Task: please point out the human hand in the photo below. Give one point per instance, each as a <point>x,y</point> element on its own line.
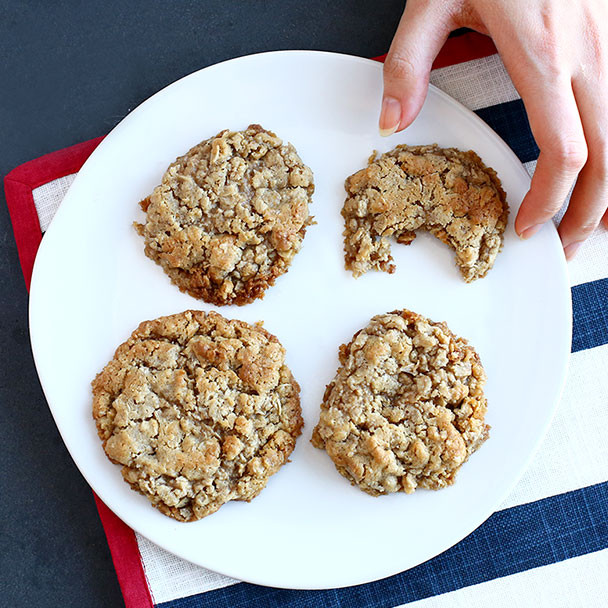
<point>556,52</point>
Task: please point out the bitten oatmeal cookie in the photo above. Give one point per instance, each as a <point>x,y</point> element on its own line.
<point>198,410</point>
<point>446,191</point>
<point>406,408</point>
<point>229,216</point>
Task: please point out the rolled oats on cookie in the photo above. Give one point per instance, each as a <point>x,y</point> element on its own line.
<point>198,410</point>
<point>448,192</point>
<point>229,216</point>
<point>406,407</point>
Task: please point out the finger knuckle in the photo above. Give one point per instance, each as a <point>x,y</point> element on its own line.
<point>554,70</point>
<point>595,39</point>
<point>571,154</point>
<point>547,44</point>
<point>399,66</point>
<point>585,228</point>
<point>541,208</point>
<point>547,47</point>
<point>547,210</point>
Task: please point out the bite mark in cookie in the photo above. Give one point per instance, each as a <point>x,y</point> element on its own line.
<point>199,410</point>
<point>229,216</point>
<point>406,407</point>
<point>448,192</point>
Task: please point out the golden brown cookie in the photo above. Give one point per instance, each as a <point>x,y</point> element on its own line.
<point>229,216</point>
<point>198,410</point>
<point>448,192</point>
<point>406,407</point>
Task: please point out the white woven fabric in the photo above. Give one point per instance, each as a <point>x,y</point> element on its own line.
<point>573,455</point>
<point>468,82</point>
<point>170,577</point>
<point>580,582</point>
<point>48,197</point>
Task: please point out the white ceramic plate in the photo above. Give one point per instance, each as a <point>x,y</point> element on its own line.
<point>309,528</point>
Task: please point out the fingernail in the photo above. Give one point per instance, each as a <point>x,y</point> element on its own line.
<point>390,116</point>
<point>528,232</point>
<point>571,249</point>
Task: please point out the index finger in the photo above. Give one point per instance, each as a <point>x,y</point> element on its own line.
<point>420,35</point>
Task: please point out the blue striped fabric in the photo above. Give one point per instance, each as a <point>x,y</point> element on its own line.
<point>510,541</point>
<point>510,121</point>
<point>590,315</point>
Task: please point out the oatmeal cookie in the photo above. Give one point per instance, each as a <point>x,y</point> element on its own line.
<point>229,216</point>
<point>446,191</point>
<point>406,407</point>
<point>198,410</point>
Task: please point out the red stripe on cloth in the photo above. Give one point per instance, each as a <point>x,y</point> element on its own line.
<point>54,165</point>
<point>126,558</point>
<point>18,186</point>
<point>460,49</point>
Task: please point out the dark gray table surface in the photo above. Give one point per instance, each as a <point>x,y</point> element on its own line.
<point>70,71</point>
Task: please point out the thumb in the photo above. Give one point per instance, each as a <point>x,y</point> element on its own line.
<point>423,29</point>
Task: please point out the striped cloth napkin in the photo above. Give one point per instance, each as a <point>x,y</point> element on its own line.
<point>548,543</point>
